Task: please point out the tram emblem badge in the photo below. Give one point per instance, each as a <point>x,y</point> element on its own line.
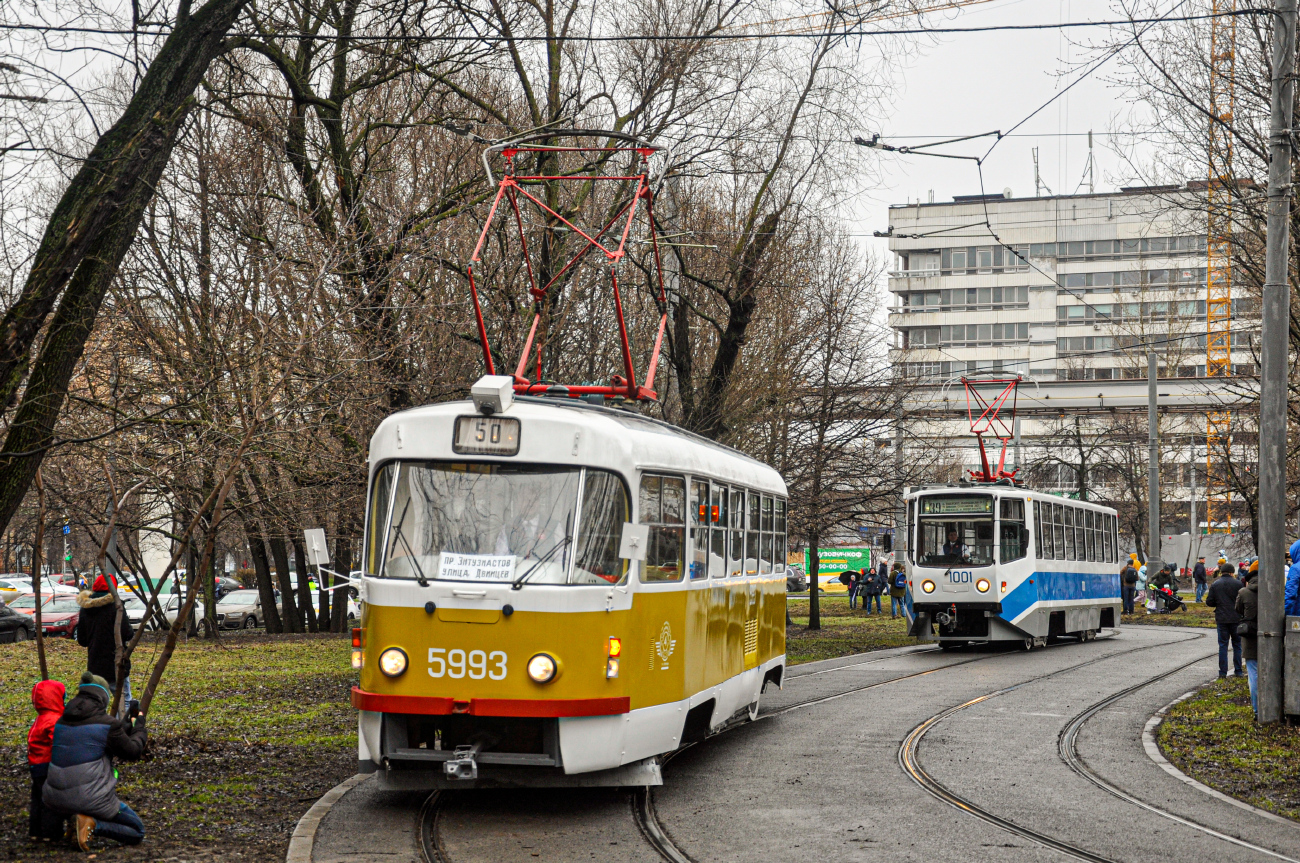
<point>663,646</point>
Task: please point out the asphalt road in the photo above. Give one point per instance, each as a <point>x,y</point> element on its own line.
<point>819,776</point>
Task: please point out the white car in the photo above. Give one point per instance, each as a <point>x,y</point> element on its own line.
<point>12,586</point>
<point>171,604</point>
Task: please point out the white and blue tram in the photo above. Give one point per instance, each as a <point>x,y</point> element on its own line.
<point>995,562</point>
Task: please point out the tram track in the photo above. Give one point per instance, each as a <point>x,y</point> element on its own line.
<point>909,760</point>
<point>1068,749</point>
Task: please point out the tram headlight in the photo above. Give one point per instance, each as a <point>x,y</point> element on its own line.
<point>542,668</point>
<point>983,585</point>
<point>393,662</point>
<point>927,586</point>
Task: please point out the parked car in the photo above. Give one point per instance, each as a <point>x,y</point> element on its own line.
<point>11,587</point>
<point>240,609</point>
<point>16,627</point>
<point>133,606</point>
<point>60,616</point>
<point>171,604</point>
<point>795,580</point>
<point>48,585</point>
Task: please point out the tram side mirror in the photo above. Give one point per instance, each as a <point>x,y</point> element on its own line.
<point>492,394</point>
<point>635,539</point>
<point>887,543</point>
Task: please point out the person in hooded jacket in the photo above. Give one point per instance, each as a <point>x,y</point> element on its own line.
<point>1292,595</point>
<point>47,698</point>
<point>81,781</point>
<point>1247,607</point>
<point>1223,599</point>
<point>95,633</point>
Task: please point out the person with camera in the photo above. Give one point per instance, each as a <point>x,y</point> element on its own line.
<point>81,781</point>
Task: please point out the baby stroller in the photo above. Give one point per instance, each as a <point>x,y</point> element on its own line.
<point>1167,600</point>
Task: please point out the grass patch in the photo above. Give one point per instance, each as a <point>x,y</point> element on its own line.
<point>843,632</point>
<point>1214,738</point>
<point>1197,614</point>
<point>244,735</point>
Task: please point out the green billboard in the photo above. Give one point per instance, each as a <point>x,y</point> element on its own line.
<point>833,561</point>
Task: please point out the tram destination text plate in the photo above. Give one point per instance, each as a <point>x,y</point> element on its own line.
<point>486,435</point>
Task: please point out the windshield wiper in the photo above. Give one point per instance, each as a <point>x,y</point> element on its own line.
<point>397,532</point>
<point>519,582</point>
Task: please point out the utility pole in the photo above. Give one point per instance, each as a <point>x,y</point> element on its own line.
<point>1274,369</point>
<point>1153,470</point>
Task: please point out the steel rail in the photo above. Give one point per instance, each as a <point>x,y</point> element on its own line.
<point>1068,748</point>
<point>909,761</point>
<point>431,850</point>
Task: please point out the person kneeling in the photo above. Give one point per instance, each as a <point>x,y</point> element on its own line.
<point>81,780</point>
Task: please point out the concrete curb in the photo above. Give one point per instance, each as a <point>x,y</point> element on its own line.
<point>1154,753</point>
<point>304,835</point>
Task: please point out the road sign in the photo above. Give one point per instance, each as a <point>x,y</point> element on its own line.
<point>67,529</point>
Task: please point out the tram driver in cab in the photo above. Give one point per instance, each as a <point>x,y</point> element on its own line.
<point>954,549</point>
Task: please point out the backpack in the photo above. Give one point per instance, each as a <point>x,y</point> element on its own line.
<point>1130,575</point>
<point>900,579</point>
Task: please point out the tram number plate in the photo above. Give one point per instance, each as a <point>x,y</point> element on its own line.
<point>479,435</point>
<point>474,664</point>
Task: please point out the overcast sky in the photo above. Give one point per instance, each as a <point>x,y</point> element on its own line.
<point>968,83</point>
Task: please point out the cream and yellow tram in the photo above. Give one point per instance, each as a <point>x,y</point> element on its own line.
<point>557,593</point>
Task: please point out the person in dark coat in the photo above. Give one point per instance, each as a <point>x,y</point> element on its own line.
<point>872,587</point>
<point>1222,597</point>
<point>47,698</point>
<point>1198,576</point>
<point>1129,578</point>
<point>855,584</point>
<point>1247,608</point>
<point>82,782</point>
<point>95,633</point>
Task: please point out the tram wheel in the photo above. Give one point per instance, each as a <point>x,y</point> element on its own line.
<point>1029,644</point>
<point>951,645</point>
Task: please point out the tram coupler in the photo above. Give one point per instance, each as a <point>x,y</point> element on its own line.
<point>464,762</point>
<point>947,620</point>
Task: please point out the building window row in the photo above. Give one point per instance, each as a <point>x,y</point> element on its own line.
<point>966,299</point>
<point>984,259</point>
<point>1108,250</point>
<point>965,335</point>
<point>1119,313</point>
<point>1134,278</point>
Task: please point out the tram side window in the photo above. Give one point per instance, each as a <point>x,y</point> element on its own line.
<point>718,532</point>
<point>380,496</point>
<point>911,531</point>
<point>736,545</point>
<point>1043,525</point>
<point>699,529</point>
<point>1058,531</point>
<point>1013,537</point>
<point>1092,535</point>
<point>753,519</point>
<point>1080,535</point>
<point>1114,538</point>
<point>605,509</point>
<point>766,565</point>
<point>661,500</point>
<point>778,556</point>
<point>1109,538</point>
<point>1070,534</point>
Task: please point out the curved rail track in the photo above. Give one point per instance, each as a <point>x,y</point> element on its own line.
<point>909,761</point>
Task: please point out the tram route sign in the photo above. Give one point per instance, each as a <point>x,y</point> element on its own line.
<point>476,567</point>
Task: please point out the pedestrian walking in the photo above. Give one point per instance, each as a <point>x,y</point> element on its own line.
<point>47,697</point>
<point>1222,597</point>
<point>1291,602</point>
<point>1128,576</point>
<point>1247,608</point>
<point>82,782</point>
<point>1198,576</point>
<point>855,584</point>
<point>95,633</point>
<point>897,591</point>
<point>1142,585</point>
<point>874,586</point>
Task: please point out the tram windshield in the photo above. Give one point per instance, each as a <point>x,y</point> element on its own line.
<point>955,531</point>
<point>489,522</point>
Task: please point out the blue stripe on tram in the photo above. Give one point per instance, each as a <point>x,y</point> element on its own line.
<point>1059,586</point>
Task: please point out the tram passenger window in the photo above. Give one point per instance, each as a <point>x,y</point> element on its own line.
<point>1058,531</point>
<point>1013,537</point>
<point>605,508</point>
<point>736,545</point>
<point>767,513</point>
<point>1092,535</point>
<point>766,565</point>
<point>753,519</point>
<point>1043,528</point>
<point>718,523</point>
<point>910,541</point>
<point>661,499</point>
<point>699,529</point>
<point>1080,537</point>
<point>381,494</point>
<point>778,557</point>
<point>1106,538</point>
<point>1069,533</point>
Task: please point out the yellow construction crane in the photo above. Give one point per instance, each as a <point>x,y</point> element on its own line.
<point>1218,272</point>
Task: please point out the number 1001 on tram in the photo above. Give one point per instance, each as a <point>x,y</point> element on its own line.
<point>558,593</point>
<point>993,562</point>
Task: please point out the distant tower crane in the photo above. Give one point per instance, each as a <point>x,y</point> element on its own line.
<point>1218,273</point>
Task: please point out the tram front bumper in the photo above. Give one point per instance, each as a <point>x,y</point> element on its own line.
<point>968,621</point>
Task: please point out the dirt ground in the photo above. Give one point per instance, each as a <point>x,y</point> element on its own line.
<point>245,735</point>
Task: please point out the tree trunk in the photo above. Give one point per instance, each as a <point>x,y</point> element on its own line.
<point>288,608</point>
<point>86,238</point>
<point>343,565</point>
<point>265,587</point>
<point>304,577</point>
<point>209,577</point>
<point>814,563</point>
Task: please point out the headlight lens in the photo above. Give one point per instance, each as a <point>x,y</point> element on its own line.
<point>927,586</point>
<point>541,668</point>
<point>982,585</point>
<point>393,662</point>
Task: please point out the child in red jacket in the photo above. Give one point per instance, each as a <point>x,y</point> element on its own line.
<point>47,698</point>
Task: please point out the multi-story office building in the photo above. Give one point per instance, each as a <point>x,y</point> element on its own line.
<point>1073,291</point>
